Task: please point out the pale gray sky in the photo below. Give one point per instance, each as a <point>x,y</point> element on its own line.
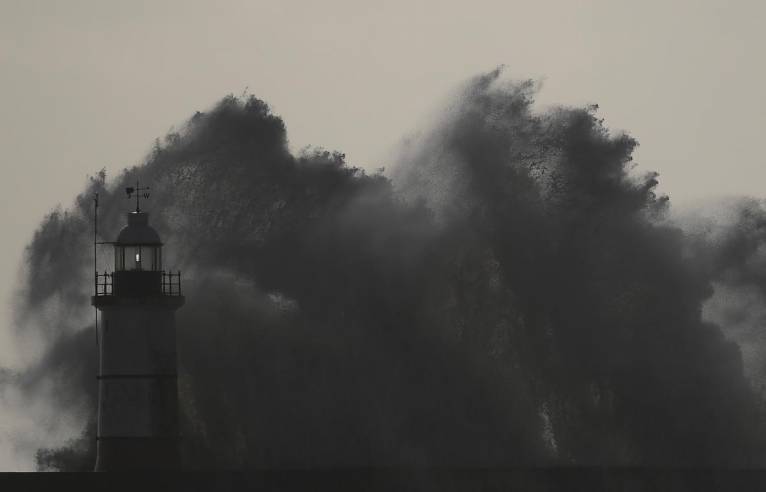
<point>88,84</point>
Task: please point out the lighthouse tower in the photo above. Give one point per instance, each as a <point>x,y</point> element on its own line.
<point>137,381</point>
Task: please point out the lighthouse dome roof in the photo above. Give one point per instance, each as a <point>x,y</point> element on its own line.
<point>138,231</point>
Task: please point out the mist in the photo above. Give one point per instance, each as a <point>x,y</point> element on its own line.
<point>510,292</point>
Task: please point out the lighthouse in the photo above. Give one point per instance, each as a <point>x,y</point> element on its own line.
<point>137,378</point>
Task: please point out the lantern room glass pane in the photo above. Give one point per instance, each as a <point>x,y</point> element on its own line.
<point>119,258</point>
<point>133,258</point>
<point>156,258</point>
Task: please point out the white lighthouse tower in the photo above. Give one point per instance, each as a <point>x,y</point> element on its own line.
<point>137,380</point>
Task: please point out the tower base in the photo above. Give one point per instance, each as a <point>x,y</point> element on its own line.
<point>137,453</point>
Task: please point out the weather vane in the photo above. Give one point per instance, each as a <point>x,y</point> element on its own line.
<point>138,192</point>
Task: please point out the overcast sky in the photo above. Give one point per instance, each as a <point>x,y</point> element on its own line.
<point>91,84</point>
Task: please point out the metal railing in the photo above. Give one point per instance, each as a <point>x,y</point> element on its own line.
<point>104,283</point>
<point>170,284</point>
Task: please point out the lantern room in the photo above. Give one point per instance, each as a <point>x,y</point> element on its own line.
<point>138,247</point>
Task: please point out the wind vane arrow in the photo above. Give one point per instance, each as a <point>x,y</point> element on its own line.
<point>137,191</point>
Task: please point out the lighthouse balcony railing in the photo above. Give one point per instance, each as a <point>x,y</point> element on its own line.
<point>170,284</point>
<point>104,284</point>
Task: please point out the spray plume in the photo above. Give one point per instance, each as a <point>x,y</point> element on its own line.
<point>512,295</point>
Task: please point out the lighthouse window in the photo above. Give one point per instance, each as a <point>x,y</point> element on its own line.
<point>137,257</point>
